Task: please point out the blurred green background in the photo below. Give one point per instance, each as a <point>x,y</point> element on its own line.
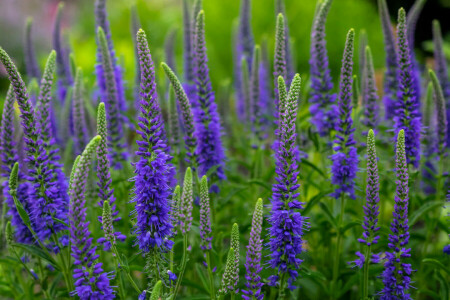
<point>158,17</point>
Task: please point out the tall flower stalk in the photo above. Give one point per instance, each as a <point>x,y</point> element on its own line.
<point>287,223</point>
<point>46,195</point>
<point>91,282</point>
<point>390,75</point>
<point>253,258</point>
<point>65,79</point>
<point>154,173</point>
<point>103,74</point>
<point>441,70</point>
<point>370,96</point>
<point>371,212</point>
<point>206,231</point>
<point>345,159</point>
<point>407,111</point>
<point>30,54</point>
<point>208,128</point>
<point>280,8</point>
<point>279,61</point>
<point>9,156</point>
<point>79,120</point>
<point>111,100</point>
<point>397,273</point>
<point>105,190</point>
<point>187,117</point>
<point>323,108</point>
<point>244,48</point>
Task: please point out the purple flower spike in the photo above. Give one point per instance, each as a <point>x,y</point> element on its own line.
<point>91,282</point>
<point>279,61</point>
<point>30,55</point>
<point>253,258</point>
<point>323,108</point>
<point>370,96</point>
<point>397,274</point>
<point>243,50</point>
<point>345,158</point>
<point>390,76</point>
<point>280,8</point>
<point>154,172</point>
<point>407,111</point>
<point>111,100</point>
<point>205,216</point>
<point>8,157</point>
<point>62,60</point>
<point>79,120</point>
<point>187,117</point>
<point>101,20</point>
<point>441,115</point>
<point>211,152</point>
<point>287,223</point>
<point>371,209</point>
<point>441,70</point>
<point>48,192</point>
<point>105,191</point>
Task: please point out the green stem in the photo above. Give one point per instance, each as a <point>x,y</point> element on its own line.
<point>183,266</point>
<point>232,295</point>
<point>366,274</point>
<point>211,278</point>
<point>338,250</point>
<point>281,291</point>
<point>126,271</point>
<point>171,268</point>
<point>434,217</point>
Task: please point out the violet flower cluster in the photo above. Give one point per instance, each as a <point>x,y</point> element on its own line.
<point>208,128</point>
<point>287,223</point>
<point>154,172</point>
<point>253,258</point>
<point>205,216</point>
<point>441,70</point>
<point>47,194</point>
<point>244,48</point>
<point>105,190</point>
<point>345,158</point>
<point>407,110</point>
<point>110,96</point>
<point>323,108</point>
<point>8,157</point>
<point>91,282</point>
<point>397,273</point>
<point>369,94</point>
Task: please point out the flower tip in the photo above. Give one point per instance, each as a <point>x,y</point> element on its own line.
<point>29,21</point>
<point>60,6</point>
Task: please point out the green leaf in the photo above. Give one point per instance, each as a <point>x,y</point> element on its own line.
<point>22,212</point>
<point>60,221</point>
<point>201,274</point>
<point>444,289</point>
<point>260,183</point>
<point>350,225</point>
<point>313,201</point>
<point>38,252</point>
<point>313,166</point>
<point>436,263</point>
<point>422,210</point>
<point>328,214</point>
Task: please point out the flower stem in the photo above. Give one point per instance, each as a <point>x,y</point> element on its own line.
<point>211,278</point>
<point>183,266</point>
<point>126,271</point>
<point>338,250</point>
<point>366,274</point>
